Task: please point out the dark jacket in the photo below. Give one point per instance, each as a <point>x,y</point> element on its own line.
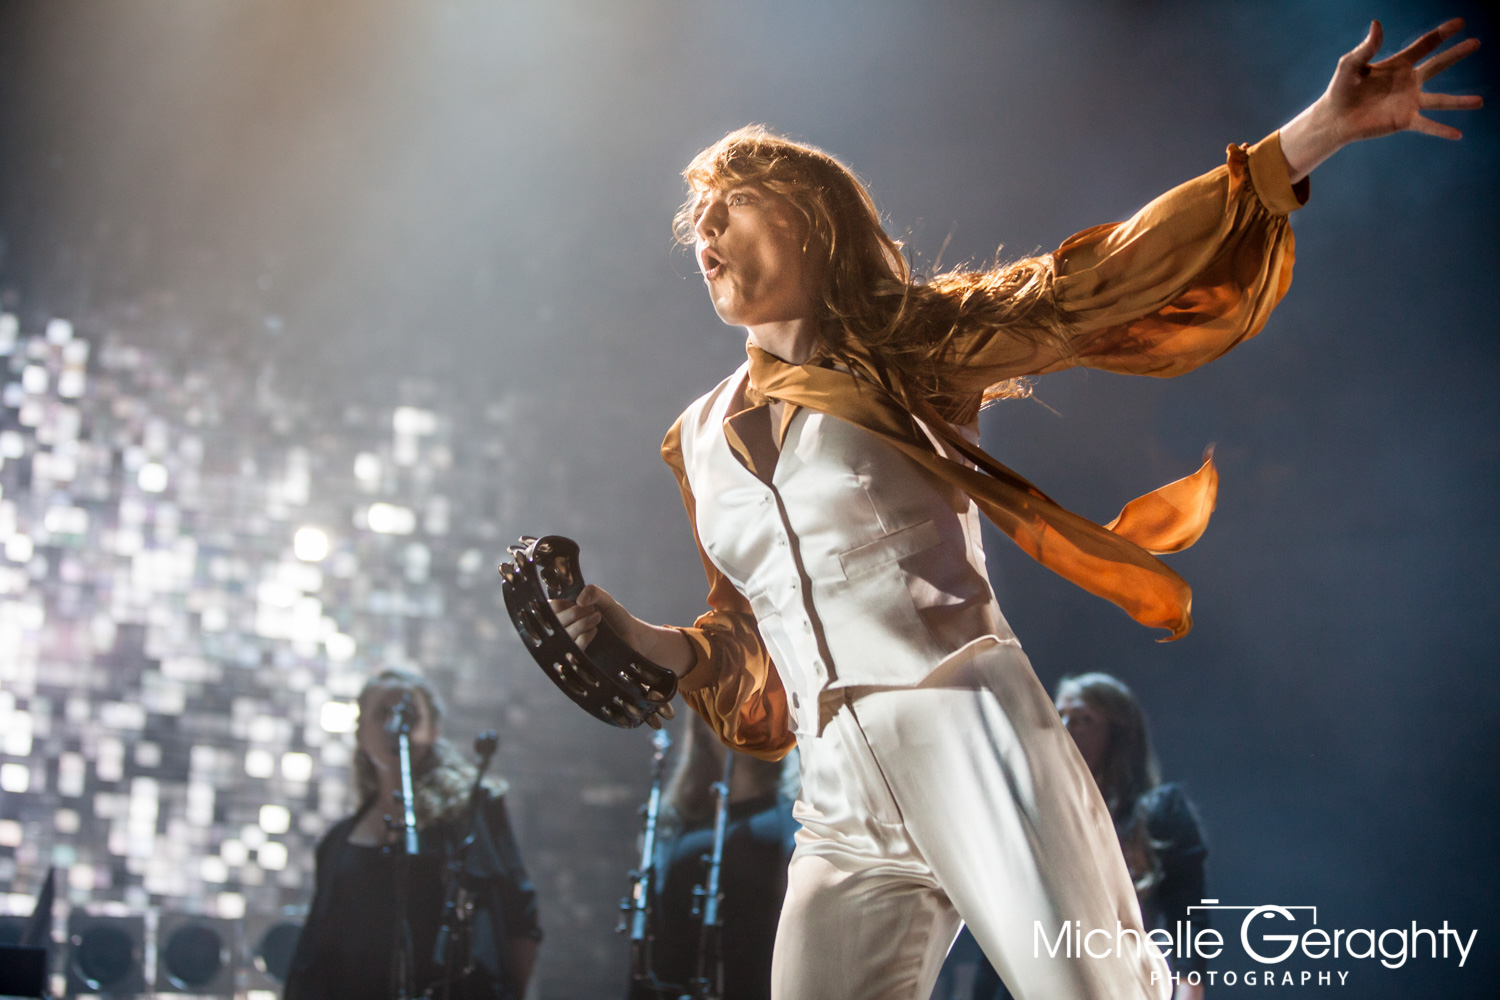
<point>348,943</point>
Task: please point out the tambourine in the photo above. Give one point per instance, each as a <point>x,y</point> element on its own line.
<point>610,681</point>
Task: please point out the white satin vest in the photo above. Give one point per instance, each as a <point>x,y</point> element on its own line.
<point>860,570</point>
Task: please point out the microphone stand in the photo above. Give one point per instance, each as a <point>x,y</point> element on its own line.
<point>403,957</point>
<point>455,936</point>
<point>709,896</point>
<point>643,979</point>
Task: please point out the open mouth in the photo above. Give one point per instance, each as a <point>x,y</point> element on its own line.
<point>710,263</point>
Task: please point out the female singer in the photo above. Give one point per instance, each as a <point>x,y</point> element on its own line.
<point>834,484</point>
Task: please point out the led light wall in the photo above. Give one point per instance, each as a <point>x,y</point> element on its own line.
<point>196,576</point>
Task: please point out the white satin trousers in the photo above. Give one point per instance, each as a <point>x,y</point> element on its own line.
<point>961,799</point>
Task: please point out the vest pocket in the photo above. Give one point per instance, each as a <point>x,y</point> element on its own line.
<point>897,545</point>
<point>918,584</point>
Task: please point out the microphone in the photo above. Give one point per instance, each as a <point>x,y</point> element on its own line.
<point>398,723</point>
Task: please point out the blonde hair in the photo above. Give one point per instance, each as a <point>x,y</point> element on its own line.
<point>441,780</point>
<point>876,317</point>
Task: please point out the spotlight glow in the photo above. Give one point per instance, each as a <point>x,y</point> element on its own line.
<point>389,519</point>
<point>296,766</point>
<point>275,819</point>
<point>152,478</point>
<point>15,778</point>
<point>311,544</point>
<point>340,649</point>
<point>339,716</point>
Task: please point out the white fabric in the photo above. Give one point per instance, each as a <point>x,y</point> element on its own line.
<point>937,779</point>
<point>962,797</point>
<point>859,570</point>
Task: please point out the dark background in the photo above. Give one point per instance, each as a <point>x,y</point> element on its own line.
<point>479,195</point>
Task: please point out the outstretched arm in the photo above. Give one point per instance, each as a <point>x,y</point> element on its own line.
<point>1199,269</point>
<point>1366,100</point>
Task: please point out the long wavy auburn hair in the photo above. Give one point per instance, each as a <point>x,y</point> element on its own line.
<point>875,316</point>
<point>441,780</point>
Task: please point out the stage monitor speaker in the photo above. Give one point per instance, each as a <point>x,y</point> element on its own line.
<point>267,942</point>
<point>105,955</point>
<point>23,971</point>
<point>25,944</point>
<point>195,955</point>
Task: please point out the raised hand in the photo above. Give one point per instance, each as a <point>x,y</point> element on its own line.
<point>1365,99</point>
<point>1375,99</point>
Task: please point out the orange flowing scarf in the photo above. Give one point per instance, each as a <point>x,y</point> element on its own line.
<point>1113,561</point>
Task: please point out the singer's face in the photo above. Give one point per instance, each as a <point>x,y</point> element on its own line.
<point>375,738</point>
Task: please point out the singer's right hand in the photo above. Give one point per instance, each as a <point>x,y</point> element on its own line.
<point>666,646</point>
<point>581,621</point>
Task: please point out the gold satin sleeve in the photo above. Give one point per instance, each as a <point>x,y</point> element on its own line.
<point>733,685</point>
<point>1189,276</point>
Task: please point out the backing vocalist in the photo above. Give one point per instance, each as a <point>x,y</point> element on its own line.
<point>350,937</point>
